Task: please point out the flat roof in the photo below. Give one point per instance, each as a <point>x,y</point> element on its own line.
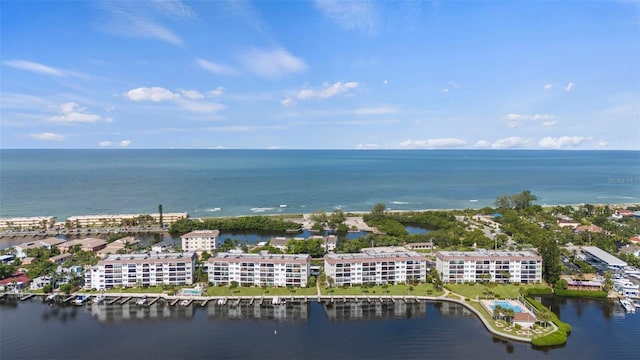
<point>603,256</point>
<point>201,233</point>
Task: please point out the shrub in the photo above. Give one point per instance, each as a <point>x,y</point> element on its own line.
<point>555,338</point>
<point>581,293</point>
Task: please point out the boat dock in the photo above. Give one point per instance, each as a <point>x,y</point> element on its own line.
<point>26,297</point>
<point>174,302</point>
<point>68,299</point>
<point>114,300</point>
<point>126,300</point>
<point>153,301</point>
<point>204,303</point>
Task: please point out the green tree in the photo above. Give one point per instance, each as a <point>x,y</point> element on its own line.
<point>551,260</point>
<point>377,212</point>
<point>608,281</point>
<point>65,288</point>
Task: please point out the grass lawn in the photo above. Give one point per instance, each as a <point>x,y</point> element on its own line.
<point>507,291</point>
<point>397,290</point>
<point>258,291</point>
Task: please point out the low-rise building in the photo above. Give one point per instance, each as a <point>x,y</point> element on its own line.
<point>141,270</point>
<point>116,220</point>
<point>21,249</point>
<point>26,223</point>
<point>329,243</point>
<point>262,269</point>
<point>382,265</point>
<point>489,265</point>
<point>568,223</point>
<point>163,246</point>
<point>29,260</point>
<point>118,245</point>
<point>40,282</point>
<point>17,281</point>
<point>200,240</point>
<point>87,244</point>
<point>60,259</point>
<point>419,246</point>
<point>588,228</point>
<point>51,242</point>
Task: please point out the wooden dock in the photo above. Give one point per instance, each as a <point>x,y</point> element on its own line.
<point>26,297</point>
<point>126,300</point>
<point>204,303</point>
<point>69,298</point>
<point>3,295</point>
<point>153,301</point>
<point>174,302</point>
<point>114,300</point>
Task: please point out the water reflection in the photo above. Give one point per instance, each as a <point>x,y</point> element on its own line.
<point>291,311</point>
<point>131,311</point>
<point>364,310</point>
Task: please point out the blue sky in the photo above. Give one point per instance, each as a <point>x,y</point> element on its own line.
<point>321,75</point>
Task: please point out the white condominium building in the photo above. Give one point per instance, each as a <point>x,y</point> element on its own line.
<point>116,220</point>
<point>18,223</point>
<point>383,265</point>
<point>489,265</point>
<point>200,240</point>
<point>141,270</point>
<point>259,269</point>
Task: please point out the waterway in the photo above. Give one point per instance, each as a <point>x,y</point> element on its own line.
<point>434,330</point>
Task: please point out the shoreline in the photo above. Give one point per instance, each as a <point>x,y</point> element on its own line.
<point>202,301</point>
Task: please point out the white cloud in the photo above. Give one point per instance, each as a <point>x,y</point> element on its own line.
<point>217,91</point>
<point>201,107</point>
<point>376,110</point>
<point>601,144</point>
<point>288,101</point>
<point>125,143</point>
<point>549,123</point>
<point>445,90</point>
<point>548,86</point>
<point>189,100</point>
<point>569,86</point>
<point>327,90</point>
<point>433,143</point>
<point>192,94</point>
<point>73,113</point>
<point>561,142</point>
<point>482,144</point>
<point>155,94</point>
<point>215,68</point>
<point>105,143</point>
<point>385,82</point>
<point>517,120</point>
<point>47,136</point>
<point>175,8</point>
<point>350,15</point>
<point>272,63</point>
<point>34,67</point>
<point>511,143</point>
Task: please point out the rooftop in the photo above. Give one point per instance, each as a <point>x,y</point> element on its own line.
<point>260,256</point>
<point>202,233</point>
<point>487,253</point>
<point>603,256</point>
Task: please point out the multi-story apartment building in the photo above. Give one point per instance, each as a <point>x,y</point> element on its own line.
<point>141,270</point>
<point>489,265</point>
<point>259,269</point>
<point>383,265</point>
<point>116,220</point>
<point>21,223</point>
<point>200,240</point>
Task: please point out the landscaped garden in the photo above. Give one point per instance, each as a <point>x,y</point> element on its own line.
<point>383,290</point>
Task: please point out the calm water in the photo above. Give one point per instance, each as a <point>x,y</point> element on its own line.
<point>205,183</point>
<point>32,330</point>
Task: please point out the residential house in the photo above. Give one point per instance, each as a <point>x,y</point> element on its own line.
<point>588,228</point>
<point>118,246</point>
<point>17,281</point>
<point>87,244</point>
<point>60,259</point>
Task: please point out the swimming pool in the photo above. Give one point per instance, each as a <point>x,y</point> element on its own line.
<point>506,305</point>
<point>191,292</point>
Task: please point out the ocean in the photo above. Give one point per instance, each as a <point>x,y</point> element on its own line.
<point>431,330</point>
<point>207,183</point>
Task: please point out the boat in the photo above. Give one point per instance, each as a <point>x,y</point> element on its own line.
<point>52,297</point>
<point>627,305</point>
<point>98,299</point>
<point>278,301</point>
<point>80,299</point>
<point>185,302</point>
<point>142,301</point>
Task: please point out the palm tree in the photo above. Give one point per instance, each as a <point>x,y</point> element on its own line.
<point>160,212</point>
<point>496,312</point>
<point>544,317</point>
<point>509,313</point>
